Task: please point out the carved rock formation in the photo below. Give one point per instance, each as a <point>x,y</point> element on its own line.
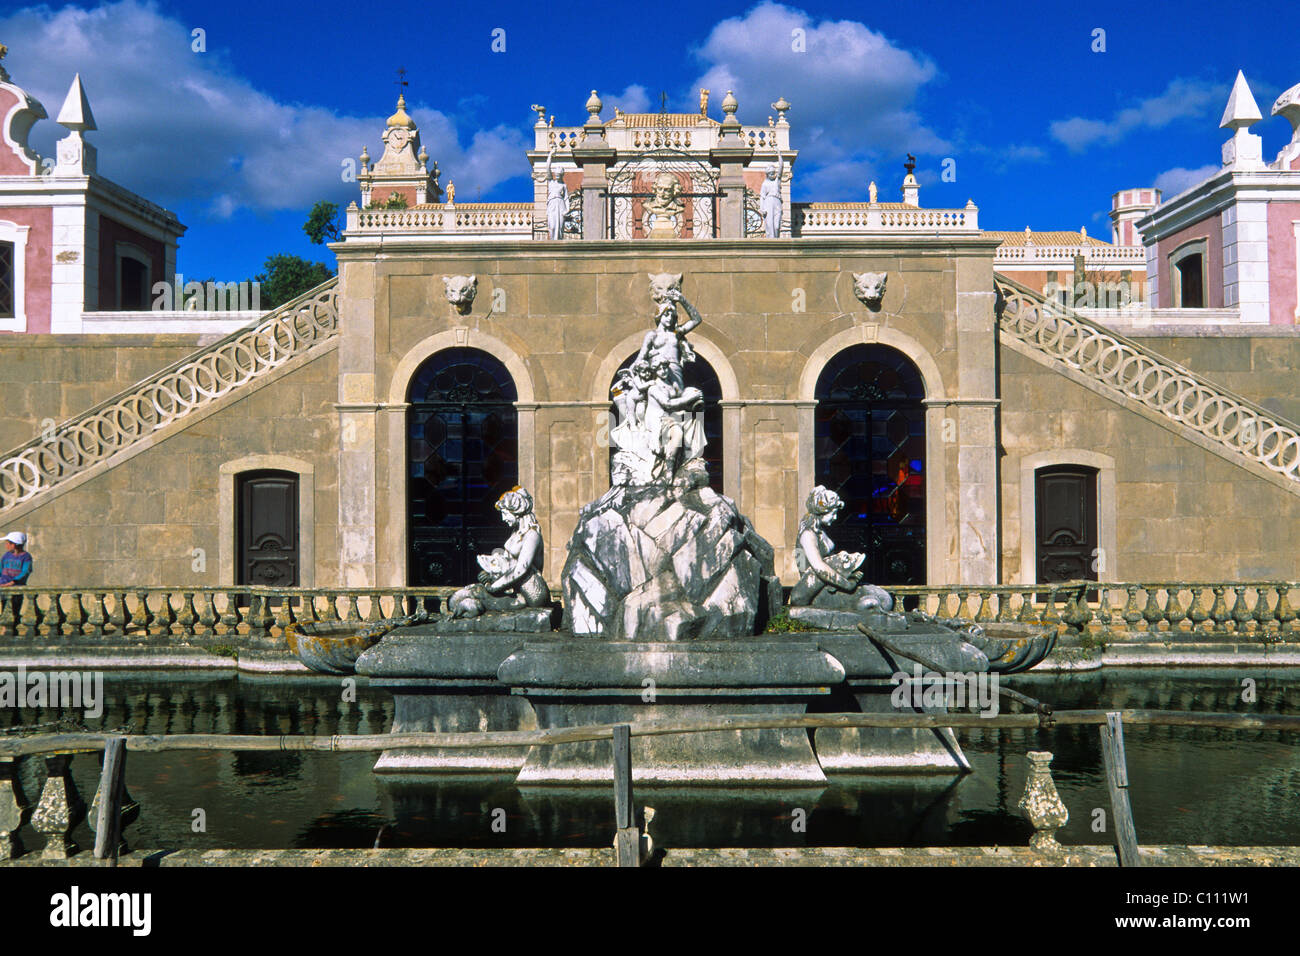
<point>652,565</point>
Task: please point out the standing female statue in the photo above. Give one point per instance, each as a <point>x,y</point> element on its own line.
<point>512,575</point>
<point>829,578</point>
<point>769,198</point>
<point>557,200</point>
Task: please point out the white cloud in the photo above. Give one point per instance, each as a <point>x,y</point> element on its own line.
<point>206,131</point>
<point>852,90</point>
<point>1181,99</point>
<point>1173,181</point>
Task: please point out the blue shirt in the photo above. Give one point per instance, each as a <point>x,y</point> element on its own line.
<point>15,566</point>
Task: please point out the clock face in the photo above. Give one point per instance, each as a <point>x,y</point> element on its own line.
<point>398,137</point>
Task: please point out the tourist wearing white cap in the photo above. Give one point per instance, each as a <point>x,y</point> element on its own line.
<point>15,563</point>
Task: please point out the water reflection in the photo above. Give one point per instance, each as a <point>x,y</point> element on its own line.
<point>1188,785</point>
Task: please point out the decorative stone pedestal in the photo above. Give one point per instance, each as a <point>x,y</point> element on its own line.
<point>446,683</point>
<point>578,682</point>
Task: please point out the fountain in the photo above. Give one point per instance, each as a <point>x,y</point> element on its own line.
<point>668,591</point>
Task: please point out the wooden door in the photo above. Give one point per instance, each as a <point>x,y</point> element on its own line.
<point>1066,523</point>
<point>268,529</point>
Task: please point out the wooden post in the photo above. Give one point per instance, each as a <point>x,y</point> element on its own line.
<point>627,836</point>
<point>108,825</point>
<point>1112,753</point>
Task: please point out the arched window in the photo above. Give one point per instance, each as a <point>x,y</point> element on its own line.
<point>870,449</point>
<point>698,374</point>
<point>267,529</point>
<point>1065,523</point>
<point>462,443</point>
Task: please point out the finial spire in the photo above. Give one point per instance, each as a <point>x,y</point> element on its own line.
<point>1242,110</point>
<point>75,114</point>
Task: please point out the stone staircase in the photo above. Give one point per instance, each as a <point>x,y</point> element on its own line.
<point>1147,383</point>
<point>128,422</point>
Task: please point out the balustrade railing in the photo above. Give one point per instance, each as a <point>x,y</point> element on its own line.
<point>1261,611</point>
<point>857,218</point>
<point>1111,257</point>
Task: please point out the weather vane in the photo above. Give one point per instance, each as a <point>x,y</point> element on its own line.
<point>401,79</point>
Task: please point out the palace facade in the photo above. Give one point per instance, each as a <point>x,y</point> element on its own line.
<point>979,432</point>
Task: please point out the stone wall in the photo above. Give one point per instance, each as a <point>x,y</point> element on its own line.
<point>139,522</point>
<point>59,376</point>
<point>1179,512</point>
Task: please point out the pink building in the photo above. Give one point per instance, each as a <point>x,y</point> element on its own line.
<point>1230,242</point>
<point>71,242</point>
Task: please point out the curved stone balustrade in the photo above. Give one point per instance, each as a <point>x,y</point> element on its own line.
<point>169,395</point>
<point>1232,423</point>
<point>1259,611</point>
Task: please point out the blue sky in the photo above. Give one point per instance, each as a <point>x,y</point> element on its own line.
<point>241,138</point>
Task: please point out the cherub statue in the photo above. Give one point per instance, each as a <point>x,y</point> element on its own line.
<point>829,578</point>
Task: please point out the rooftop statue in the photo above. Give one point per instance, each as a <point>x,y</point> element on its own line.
<point>769,198</point>
<point>557,200</point>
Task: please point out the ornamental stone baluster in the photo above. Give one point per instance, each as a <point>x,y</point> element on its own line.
<point>259,618</point>
<point>13,808</point>
<point>28,615</point>
<point>187,618</point>
<point>284,613</point>
<point>94,626</point>
<point>230,613</point>
<point>60,809</point>
<point>1219,611</point>
<point>982,616</point>
<point>140,619</point>
<point>351,601</point>
<point>1197,613</point>
<point>207,613</point>
<point>1240,614</point>
<point>1004,606</point>
<point>1262,614</point>
<point>1041,804</point>
<point>1175,614</point>
<point>963,614</point>
<point>7,621</point>
<point>73,617</point>
<point>374,612</point>
<point>76,617</point>
<point>1132,614</point>
<point>1152,612</point>
<point>1284,613</point>
<point>1026,615</point>
<point>118,617</point>
<point>1050,616</point>
<point>331,607</point>
<point>1077,613</point>
<point>306,612</point>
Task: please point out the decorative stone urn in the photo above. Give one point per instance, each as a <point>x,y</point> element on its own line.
<point>1041,804</point>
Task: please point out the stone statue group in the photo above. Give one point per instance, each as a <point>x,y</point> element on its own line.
<point>660,441</point>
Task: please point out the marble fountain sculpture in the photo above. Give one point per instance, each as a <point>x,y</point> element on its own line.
<point>668,590</point>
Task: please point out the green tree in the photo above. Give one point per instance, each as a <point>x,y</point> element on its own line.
<point>322,223</point>
<point>287,277</point>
